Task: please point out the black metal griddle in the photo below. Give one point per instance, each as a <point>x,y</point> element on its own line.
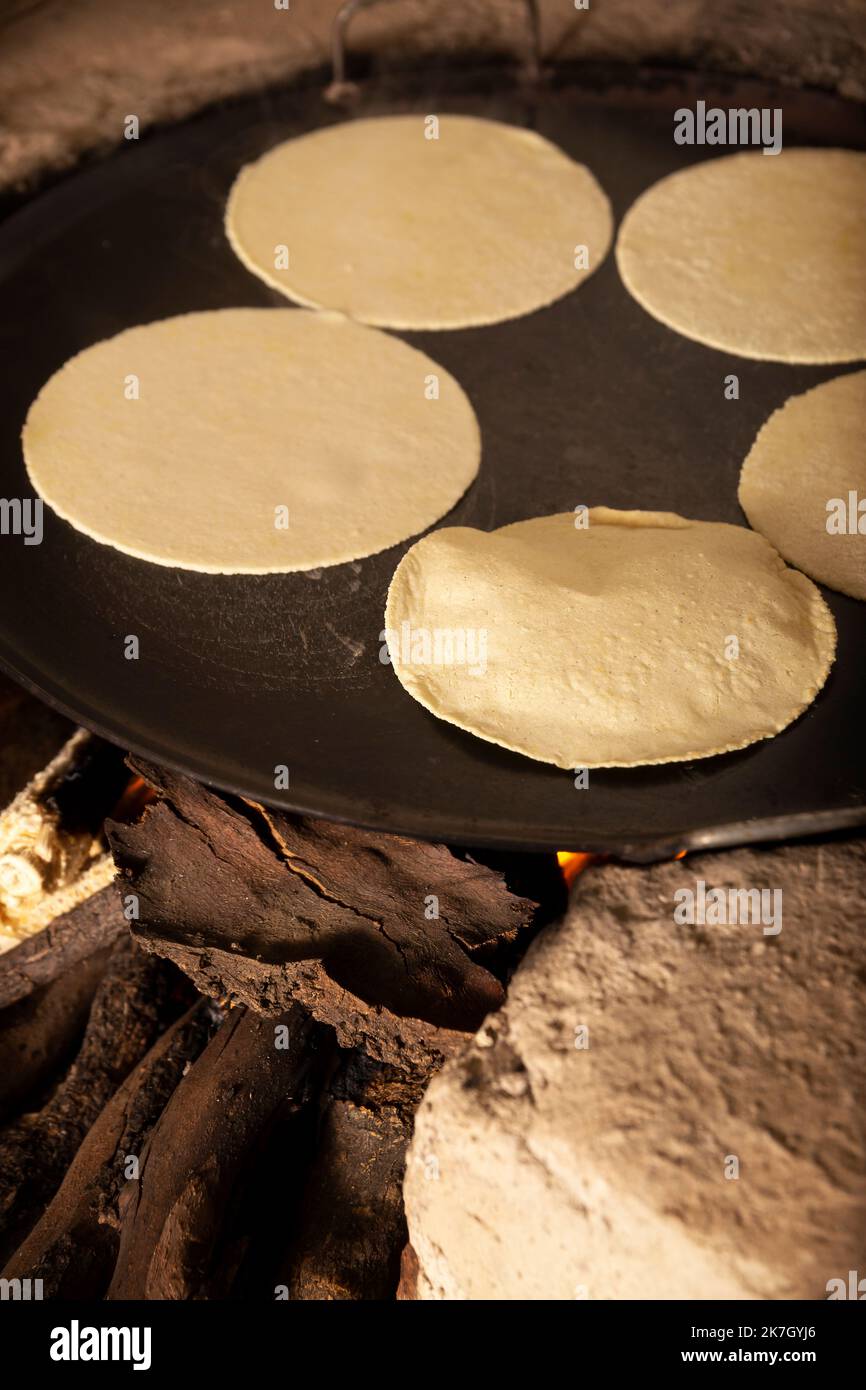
<point>587,401</point>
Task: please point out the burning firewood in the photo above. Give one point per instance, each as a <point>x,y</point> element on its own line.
<point>352,1227</point>
<point>58,918</point>
<point>47,984</point>
<point>73,1248</point>
<point>253,1079</point>
<point>358,962</point>
<point>137,998</point>
<point>381,938</point>
<point>52,852</point>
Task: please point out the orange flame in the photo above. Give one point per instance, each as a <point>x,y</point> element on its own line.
<point>137,794</point>
<point>571,864</point>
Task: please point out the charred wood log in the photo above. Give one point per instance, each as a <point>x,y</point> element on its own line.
<point>377,936</point>
<point>352,1226</point>
<point>47,985</point>
<point>254,1076</point>
<point>56,918</point>
<point>268,1161</point>
<point>137,998</point>
<point>73,1248</point>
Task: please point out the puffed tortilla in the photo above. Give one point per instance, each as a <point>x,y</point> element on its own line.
<point>757,255</point>
<point>262,441</point>
<point>402,231</point>
<point>609,645</point>
<point>804,482</point>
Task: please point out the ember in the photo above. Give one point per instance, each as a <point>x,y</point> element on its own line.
<point>572,864</point>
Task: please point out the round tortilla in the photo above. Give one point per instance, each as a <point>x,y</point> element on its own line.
<point>248,419</point>
<point>803,483</point>
<point>402,231</point>
<point>759,255</point>
<point>609,645</point>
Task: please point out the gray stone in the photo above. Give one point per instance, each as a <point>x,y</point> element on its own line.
<point>540,1169</point>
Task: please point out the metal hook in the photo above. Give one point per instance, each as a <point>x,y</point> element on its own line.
<point>340,89</point>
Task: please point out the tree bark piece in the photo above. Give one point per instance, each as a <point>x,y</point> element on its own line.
<point>242,1089</point>
<point>61,947</point>
<point>47,985</point>
<point>73,1248</point>
<point>352,1227</point>
<point>137,998</point>
<point>273,909</point>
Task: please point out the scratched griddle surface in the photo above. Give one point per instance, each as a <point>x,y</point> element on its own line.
<point>588,401</point>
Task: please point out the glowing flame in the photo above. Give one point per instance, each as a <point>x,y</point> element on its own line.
<point>571,864</point>
<point>136,796</point>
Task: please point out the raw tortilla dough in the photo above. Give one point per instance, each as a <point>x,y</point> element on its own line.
<point>401,231</point>
<point>606,646</point>
<point>760,255</point>
<point>241,412</point>
<point>810,453</point>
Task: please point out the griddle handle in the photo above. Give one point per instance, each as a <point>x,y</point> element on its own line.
<point>340,90</point>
